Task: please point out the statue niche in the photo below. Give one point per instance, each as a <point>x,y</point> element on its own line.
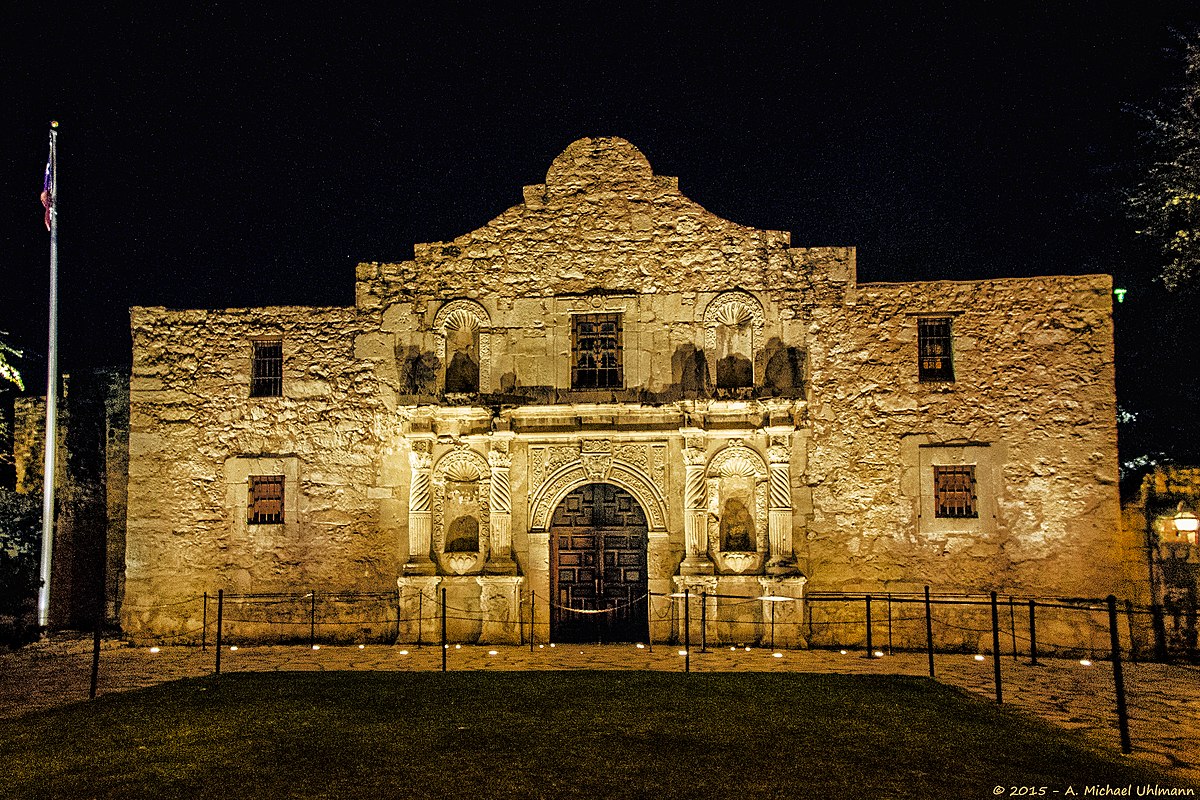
<point>464,345</point>
<point>737,485</point>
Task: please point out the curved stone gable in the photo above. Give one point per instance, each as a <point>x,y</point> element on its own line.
<point>602,219</point>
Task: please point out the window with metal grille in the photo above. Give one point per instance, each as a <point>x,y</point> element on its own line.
<point>954,492</point>
<point>266,500</point>
<point>266,368</point>
<point>596,351</point>
<point>934,349</point>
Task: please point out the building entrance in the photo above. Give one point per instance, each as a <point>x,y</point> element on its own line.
<point>598,567</point>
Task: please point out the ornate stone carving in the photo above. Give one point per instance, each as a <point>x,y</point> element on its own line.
<point>733,308</point>
<point>461,466</point>
<point>596,458</point>
<point>500,552</point>
<point>419,541</point>
<point>544,499</point>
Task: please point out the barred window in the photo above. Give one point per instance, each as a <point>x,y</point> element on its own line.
<point>266,368</point>
<point>266,500</point>
<point>596,351</point>
<point>934,349</point>
<point>954,492</point>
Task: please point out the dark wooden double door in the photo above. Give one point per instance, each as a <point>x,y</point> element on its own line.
<point>598,567</point>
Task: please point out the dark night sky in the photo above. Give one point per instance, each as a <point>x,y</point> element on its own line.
<point>237,158</point>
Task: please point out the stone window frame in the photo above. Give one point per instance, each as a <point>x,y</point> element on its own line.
<point>734,307</point>
<point>457,315</point>
<point>266,368</point>
<point>237,473</point>
<point>985,457</point>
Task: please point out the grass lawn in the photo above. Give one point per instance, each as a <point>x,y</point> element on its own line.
<point>546,734</point>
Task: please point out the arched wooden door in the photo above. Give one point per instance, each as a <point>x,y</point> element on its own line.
<point>598,567</point>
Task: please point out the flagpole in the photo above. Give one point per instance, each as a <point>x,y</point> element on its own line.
<point>48,471</point>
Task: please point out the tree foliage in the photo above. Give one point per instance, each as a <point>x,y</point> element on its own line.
<point>20,537</point>
<point>1167,201</point>
<point>8,372</point>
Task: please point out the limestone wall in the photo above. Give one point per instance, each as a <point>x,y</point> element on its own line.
<point>1033,399</point>
<point>196,435</point>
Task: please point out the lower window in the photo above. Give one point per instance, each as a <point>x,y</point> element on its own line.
<point>265,506</point>
<point>954,492</point>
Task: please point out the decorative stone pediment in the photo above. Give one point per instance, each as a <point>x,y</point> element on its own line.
<point>639,468</point>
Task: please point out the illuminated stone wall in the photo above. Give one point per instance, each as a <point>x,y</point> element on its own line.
<point>817,476</point>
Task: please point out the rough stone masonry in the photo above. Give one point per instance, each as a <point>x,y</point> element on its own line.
<point>607,396</point>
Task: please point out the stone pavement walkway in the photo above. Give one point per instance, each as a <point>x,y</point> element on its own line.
<point>1163,699</point>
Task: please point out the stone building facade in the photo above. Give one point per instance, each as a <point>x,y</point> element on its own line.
<point>608,392</point>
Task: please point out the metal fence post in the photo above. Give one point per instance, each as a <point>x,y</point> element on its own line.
<point>420,615</point>
<point>1160,632</point>
<point>1012,624</point>
<point>687,630</point>
<point>929,630</point>
<point>220,615</point>
<point>1118,676</point>
<point>889,608</point>
<point>1033,632</point>
<point>996,648</point>
<point>532,617</point>
<point>312,620</point>
<point>870,651</point>
<point>96,657</point>
<point>445,646</point>
<point>704,622</point>
<point>649,620</point>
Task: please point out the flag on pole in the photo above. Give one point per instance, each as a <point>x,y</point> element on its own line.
<point>48,184</point>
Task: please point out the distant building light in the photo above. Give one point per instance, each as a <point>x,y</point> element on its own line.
<point>1120,294</point>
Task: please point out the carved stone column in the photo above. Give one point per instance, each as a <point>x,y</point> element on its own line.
<point>420,461</point>
<point>779,513</point>
<point>500,560</point>
<point>695,512</point>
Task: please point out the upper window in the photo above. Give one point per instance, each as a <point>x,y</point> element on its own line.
<point>936,357</point>
<point>266,368</point>
<point>265,506</point>
<point>954,492</point>
<point>596,351</point>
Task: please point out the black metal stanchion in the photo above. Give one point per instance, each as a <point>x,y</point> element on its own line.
<point>445,646</point>
<point>870,647</point>
<point>996,648</point>
<point>889,608</point>
<point>312,620</point>
<point>1012,623</point>
<point>929,630</point>
<point>1118,676</point>
<point>704,622</point>
<point>649,620</point>
<point>772,624</point>
<point>204,626</point>
<point>1133,645</point>
<point>96,657</point>
<point>687,631</point>
<point>220,616</point>
<point>1160,632</point>
<point>532,617</point>
<point>420,615</point>
<point>1033,632</point>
